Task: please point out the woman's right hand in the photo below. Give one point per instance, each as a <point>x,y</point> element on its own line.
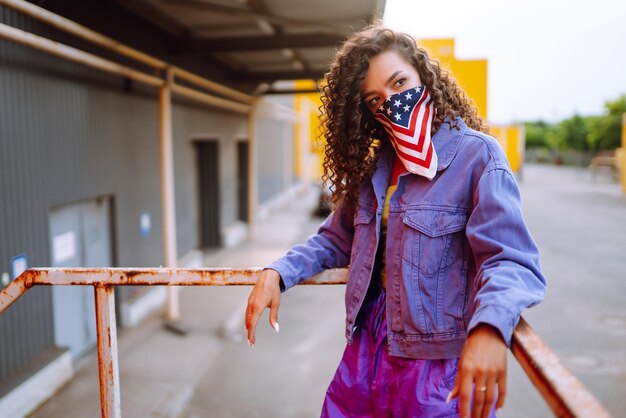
<point>265,294</point>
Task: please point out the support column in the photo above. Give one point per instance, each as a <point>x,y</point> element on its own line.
<point>168,201</point>
<point>253,180</point>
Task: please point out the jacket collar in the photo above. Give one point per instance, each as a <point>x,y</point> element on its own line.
<point>446,142</point>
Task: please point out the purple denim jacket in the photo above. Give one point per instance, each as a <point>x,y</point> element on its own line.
<point>457,253</point>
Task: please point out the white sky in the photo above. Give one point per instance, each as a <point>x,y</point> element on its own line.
<point>547,59</point>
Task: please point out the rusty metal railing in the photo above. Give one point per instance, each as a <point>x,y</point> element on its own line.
<point>563,392</point>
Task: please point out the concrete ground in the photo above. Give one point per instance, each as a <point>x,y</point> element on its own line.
<point>579,225</point>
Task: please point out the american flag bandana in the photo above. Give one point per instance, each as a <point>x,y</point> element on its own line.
<point>407,117</point>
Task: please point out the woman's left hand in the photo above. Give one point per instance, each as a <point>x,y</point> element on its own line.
<point>482,366</point>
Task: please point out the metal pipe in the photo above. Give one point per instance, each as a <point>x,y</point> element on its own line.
<point>82,32</point>
<point>72,54</point>
<point>13,291</point>
<point>94,37</point>
<point>108,368</point>
<point>168,201</point>
<point>162,276</point>
<point>562,391</point>
<point>212,86</point>
<point>210,100</point>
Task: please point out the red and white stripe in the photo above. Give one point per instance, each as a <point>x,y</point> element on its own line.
<point>413,144</point>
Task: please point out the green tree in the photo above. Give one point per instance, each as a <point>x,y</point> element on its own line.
<point>554,138</point>
<point>536,134</point>
<point>572,133</point>
<point>589,133</point>
<point>605,132</point>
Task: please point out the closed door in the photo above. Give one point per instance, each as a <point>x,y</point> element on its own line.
<point>242,180</point>
<point>80,235</point>
<point>208,189</point>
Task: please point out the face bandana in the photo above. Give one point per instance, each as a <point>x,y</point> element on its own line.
<point>407,117</point>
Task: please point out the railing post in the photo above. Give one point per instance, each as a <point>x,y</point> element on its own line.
<point>107,352</point>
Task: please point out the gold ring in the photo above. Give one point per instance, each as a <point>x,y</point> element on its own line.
<point>482,389</point>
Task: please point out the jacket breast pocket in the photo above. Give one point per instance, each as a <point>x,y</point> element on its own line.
<point>432,238</point>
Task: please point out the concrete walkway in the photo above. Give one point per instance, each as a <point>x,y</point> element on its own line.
<point>579,225</point>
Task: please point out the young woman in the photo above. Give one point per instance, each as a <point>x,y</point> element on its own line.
<point>428,218</point>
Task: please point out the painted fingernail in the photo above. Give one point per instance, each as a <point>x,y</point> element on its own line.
<point>276,327</point>
<point>449,398</point>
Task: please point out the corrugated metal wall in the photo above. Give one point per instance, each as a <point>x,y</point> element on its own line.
<point>69,133</point>
<point>20,166</point>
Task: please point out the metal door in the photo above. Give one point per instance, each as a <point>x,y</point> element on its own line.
<point>208,181</point>
<point>242,180</point>
<point>80,235</point>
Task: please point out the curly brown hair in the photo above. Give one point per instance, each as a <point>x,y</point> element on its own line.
<point>353,137</point>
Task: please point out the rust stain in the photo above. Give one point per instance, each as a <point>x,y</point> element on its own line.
<point>29,278</point>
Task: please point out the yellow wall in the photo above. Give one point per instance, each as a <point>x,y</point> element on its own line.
<point>623,153</point>
<point>512,139</point>
<point>438,48</point>
<point>472,78</point>
<point>470,74</point>
<point>308,150</point>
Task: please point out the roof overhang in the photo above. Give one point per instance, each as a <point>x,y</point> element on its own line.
<point>259,41</point>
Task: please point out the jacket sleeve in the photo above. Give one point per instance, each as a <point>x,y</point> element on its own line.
<point>329,248</point>
<point>509,278</point>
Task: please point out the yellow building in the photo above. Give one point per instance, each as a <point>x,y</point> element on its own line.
<point>512,139</point>
<point>622,154</point>
<point>471,75</point>
<point>308,147</point>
